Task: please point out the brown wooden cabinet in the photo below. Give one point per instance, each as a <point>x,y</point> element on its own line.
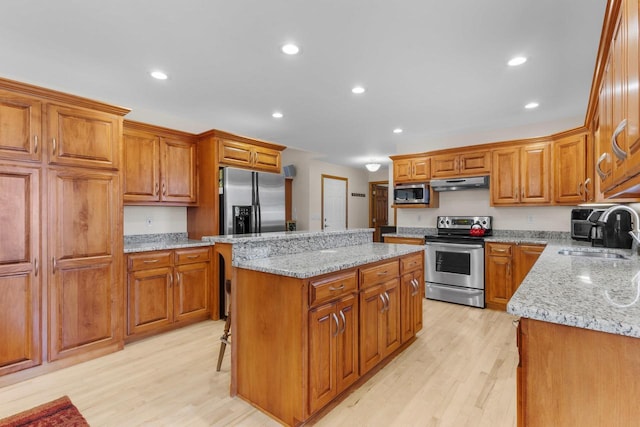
<point>167,287</point>
<point>20,260</point>
<point>521,175</point>
<point>411,292</point>
<point>159,166</point>
<point>506,266</point>
<point>461,164</point>
<point>573,182</point>
<point>20,127</point>
<point>415,169</point>
<point>242,154</point>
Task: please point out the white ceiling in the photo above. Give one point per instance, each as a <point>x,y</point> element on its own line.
<point>433,68</point>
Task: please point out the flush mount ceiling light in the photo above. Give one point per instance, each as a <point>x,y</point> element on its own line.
<point>531,105</point>
<point>290,49</point>
<point>517,60</point>
<point>159,75</point>
<point>277,115</point>
<point>372,167</point>
<point>397,130</point>
<point>358,90</point>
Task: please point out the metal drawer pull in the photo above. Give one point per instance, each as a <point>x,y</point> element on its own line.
<point>54,147</point>
<point>157,188</point>
<point>339,288</point>
<point>150,261</point>
<point>193,256</point>
<point>498,250</point>
<point>164,189</point>
<point>383,302</point>
<point>344,322</point>
<point>35,266</point>
<point>599,171</point>
<point>335,319</point>
<point>384,273</point>
<point>386,295</point>
<point>55,264</point>
<point>586,188</point>
<point>35,144</point>
<point>619,152</point>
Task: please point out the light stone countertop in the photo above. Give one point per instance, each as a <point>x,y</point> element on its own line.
<point>159,242</point>
<point>585,292</point>
<point>282,235</point>
<point>314,263</point>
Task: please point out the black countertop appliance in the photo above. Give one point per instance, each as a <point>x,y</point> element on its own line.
<point>615,231</point>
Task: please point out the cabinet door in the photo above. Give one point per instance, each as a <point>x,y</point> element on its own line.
<point>390,330</point>
<point>526,257</point>
<point>19,268</point>
<point>141,167</point>
<point>371,304</point>
<point>499,275</point>
<point>81,137</point>
<point>347,342</point>
<point>192,290</point>
<point>604,162</point>
<point>84,271</point>
<point>407,291</point>
<point>475,163</point>
<point>632,89</point>
<point>445,165</point>
<point>150,299</point>
<point>178,171</point>
<point>323,328</point>
<point>535,173</point>
<point>505,176</point>
<point>570,159</point>
<point>421,169</point>
<point>266,159</point>
<point>20,127</point>
<point>233,153</point>
<point>402,170</point>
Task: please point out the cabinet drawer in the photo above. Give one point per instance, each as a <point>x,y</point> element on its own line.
<point>188,256</point>
<point>379,273</point>
<point>500,249</point>
<point>333,286</point>
<point>147,260</point>
<point>410,263</point>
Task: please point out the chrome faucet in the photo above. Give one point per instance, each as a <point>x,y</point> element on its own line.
<point>635,230</point>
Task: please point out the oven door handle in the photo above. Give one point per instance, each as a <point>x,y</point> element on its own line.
<point>454,245</point>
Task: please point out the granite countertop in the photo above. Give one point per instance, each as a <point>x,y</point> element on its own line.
<point>586,292</point>
<point>158,242</point>
<point>314,263</point>
<point>281,235</point>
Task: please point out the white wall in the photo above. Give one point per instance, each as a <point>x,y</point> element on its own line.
<point>164,219</point>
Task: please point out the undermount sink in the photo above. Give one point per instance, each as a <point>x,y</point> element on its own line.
<point>609,255</point>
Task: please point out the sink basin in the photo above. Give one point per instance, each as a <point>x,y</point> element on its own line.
<point>605,255</point>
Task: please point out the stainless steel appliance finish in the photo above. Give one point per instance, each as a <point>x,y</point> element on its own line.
<point>457,184</point>
<point>411,194</point>
<point>580,225</point>
<point>251,202</point>
<point>454,267</point>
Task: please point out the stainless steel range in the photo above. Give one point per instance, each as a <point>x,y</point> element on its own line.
<point>454,260</point>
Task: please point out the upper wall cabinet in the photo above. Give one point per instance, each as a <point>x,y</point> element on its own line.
<point>415,169</point>
<point>572,174</point>
<point>461,164</point>
<point>521,175</point>
<point>159,166</point>
<point>20,127</point>
<point>245,155</point>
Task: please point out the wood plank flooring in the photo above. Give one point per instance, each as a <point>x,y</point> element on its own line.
<point>459,372</point>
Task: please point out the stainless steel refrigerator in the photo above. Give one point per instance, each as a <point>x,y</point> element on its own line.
<point>251,202</point>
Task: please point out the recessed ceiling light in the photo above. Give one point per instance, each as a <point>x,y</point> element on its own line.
<point>531,105</point>
<point>290,49</point>
<point>159,75</point>
<point>397,130</point>
<point>518,60</point>
<point>277,115</point>
<point>358,90</point>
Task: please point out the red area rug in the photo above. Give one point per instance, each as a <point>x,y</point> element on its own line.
<point>57,413</point>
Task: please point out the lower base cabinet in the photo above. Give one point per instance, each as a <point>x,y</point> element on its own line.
<point>301,343</point>
<point>570,376</point>
<point>166,287</point>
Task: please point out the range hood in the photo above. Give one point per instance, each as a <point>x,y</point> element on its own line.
<point>457,184</point>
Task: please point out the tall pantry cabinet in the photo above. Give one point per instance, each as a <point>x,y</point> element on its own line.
<point>61,234</point>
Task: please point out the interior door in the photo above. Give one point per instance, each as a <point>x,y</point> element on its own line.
<point>334,202</point>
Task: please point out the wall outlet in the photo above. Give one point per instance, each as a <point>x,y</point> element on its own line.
<point>149,221</point>
<point>530,219</point>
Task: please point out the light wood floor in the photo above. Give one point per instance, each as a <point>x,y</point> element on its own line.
<point>459,372</point>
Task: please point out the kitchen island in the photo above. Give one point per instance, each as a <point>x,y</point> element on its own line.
<point>578,338</point>
<point>309,326</point>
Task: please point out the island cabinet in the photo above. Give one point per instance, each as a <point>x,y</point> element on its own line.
<point>412,169</point>
<point>570,376</point>
<point>506,266</point>
<point>470,163</point>
<point>159,166</point>
<point>166,289</point>
<point>301,343</point>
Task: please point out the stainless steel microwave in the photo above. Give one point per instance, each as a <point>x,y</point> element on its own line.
<point>417,193</point>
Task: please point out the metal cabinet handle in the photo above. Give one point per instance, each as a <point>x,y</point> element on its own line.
<point>509,269</point>
<point>498,250</point>
<point>150,261</point>
<point>35,144</point>
<point>383,302</point>
<point>619,152</point>
<point>171,281</point>
<point>344,322</point>
<point>193,256</point>
<point>36,267</point>
<point>386,295</point>
<point>587,192</point>
<point>179,279</point>
<point>55,264</point>
<point>517,193</point>
<point>416,287</point>
<point>339,288</point>
<point>54,147</point>
<point>599,171</point>
<point>164,189</point>
<point>157,187</point>
<point>515,323</point>
<point>383,273</point>
<point>335,319</point>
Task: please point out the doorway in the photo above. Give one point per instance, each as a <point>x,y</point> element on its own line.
<point>334,202</point>
<point>378,207</point>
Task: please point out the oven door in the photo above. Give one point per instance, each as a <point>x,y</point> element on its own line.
<point>455,264</point>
